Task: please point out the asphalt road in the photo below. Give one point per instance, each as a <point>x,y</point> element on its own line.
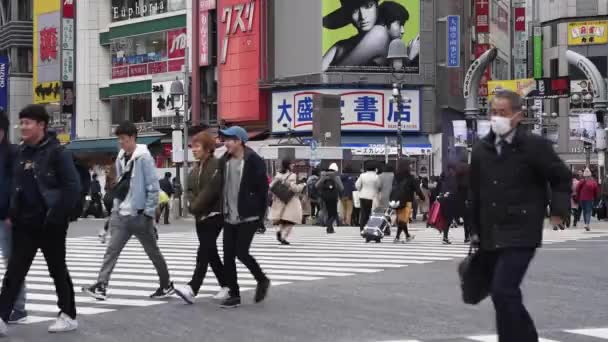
<point>565,289</point>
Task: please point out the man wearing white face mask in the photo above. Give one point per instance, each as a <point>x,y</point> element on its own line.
<point>510,172</point>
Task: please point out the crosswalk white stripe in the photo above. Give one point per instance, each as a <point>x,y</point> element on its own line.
<point>114,291</point>
<point>53,308</point>
<point>90,300</point>
<point>597,333</point>
<point>494,338</point>
<point>31,319</point>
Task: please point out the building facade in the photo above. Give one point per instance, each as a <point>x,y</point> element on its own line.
<point>16,66</point>
<point>580,26</point>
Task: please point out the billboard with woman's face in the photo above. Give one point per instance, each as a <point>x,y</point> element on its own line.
<point>357,34</point>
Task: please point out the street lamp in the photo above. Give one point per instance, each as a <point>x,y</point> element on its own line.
<point>397,56</point>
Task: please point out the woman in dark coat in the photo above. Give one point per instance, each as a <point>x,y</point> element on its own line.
<point>406,187</point>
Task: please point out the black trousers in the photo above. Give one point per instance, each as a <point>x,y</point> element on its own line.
<point>237,241</point>
<point>207,231</point>
<point>507,268</point>
<point>27,239</point>
<point>163,208</point>
<point>314,208</point>
<point>365,213</point>
<point>331,206</point>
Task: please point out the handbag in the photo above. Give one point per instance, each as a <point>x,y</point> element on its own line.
<point>474,280</point>
<point>282,191</point>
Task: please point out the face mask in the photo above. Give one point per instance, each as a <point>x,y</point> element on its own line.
<point>501,125</point>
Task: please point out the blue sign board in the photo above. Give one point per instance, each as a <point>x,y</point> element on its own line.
<point>4,83</point>
<point>453,35</point>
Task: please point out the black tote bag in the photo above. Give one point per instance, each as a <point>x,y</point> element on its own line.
<point>475,281</point>
<point>282,191</point>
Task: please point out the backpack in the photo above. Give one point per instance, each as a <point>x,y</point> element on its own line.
<point>329,189</point>
<point>311,188</point>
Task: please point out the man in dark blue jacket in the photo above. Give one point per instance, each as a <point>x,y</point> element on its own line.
<point>46,187</point>
<point>7,158</point>
<point>244,205</point>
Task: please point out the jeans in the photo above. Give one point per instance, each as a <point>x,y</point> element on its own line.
<point>237,241</point>
<point>207,231</point>
<point>27,239</point>
<point>507,268</point>
<point>365,213</point>
<point>121,230</point>
<point>6,243</point>
<point>587,207</point>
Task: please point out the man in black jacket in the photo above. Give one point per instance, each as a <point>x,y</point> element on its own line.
<point>46,187</point>
<point>244,205</point>
<point>510,171</point>
<point>167,187</point>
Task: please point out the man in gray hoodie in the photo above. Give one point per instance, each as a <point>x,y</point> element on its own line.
<point>136,197</point>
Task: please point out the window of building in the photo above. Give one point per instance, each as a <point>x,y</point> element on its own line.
<point>132,9</point>
<point>139,49</point>
<point>24,11</point>
<point>135,108</point>
<point>553,34</point>
<point>24,63</point>
<point>554,68</point>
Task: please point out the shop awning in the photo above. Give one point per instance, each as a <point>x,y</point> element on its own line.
<point>105,145</point>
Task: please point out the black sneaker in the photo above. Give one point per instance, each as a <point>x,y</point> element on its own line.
<point>97,291</point>
<point>261,291</point>
<point>163,293</point>
<point>17,317</point>
<point>231,302</point>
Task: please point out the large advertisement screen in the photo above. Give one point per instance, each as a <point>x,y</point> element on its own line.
<point>357,34</point>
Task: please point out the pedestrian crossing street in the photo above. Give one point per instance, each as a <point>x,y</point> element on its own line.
<point>576,335</point>
<point>312,256</point>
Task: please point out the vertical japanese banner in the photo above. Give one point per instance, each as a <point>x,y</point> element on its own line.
<point>68,66</point>
<point>4,65</point>
<point>482,14</point>
<point>46,78</point>
<point>203,26</point>
<point>453,34</point>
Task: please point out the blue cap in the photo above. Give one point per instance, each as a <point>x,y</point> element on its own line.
<point>237,132</point>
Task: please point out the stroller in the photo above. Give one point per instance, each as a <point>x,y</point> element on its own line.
<point>378,226</point>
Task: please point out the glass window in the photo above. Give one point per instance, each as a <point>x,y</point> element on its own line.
<point>135,108</point>
<point>139,49</point>
<point>24,63</point>
<point>25,10</point>
<point>141,108</point>
<point>132,9</point>
<point>119,109</point>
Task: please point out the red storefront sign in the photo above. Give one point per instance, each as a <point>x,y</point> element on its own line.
<point>176,43</point>
<point>138,70</point>
<point>157,67</point>
<point>68,8</point>
<point>203,36</point>
<point>239,36</point>
<point>120,72</point>
<point>520,19</point>
<point>175,64</point>
<point>482,15</point>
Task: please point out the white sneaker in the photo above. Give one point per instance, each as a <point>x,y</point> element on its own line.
<point>223,294</point>
<point>63,324</point>
<point>185,292</point>
<point>3,329</point>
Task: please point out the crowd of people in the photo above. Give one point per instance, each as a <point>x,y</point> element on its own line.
<point>501,197</point>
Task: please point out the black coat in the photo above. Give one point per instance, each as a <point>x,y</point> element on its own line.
<point>253,193</point>
<point>509,192</point>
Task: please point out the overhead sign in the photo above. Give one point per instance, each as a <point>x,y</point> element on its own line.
<point>356,34</point>
<point>47,51</point>
<point>587,32</point>
<point>162,101</point>
<point>453,34</point>
<point>520,19</point>
<point>522,87</point>
<point>362,110</point>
